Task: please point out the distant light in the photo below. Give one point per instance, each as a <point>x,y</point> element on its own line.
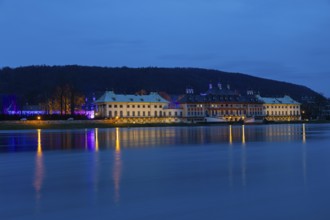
<point>38,117</point>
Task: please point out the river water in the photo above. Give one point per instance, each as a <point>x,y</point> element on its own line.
<point>212,172</point>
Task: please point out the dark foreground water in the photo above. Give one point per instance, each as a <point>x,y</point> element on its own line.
<point>219,172</point>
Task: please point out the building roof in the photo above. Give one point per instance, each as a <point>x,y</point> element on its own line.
<point>110,96</point>
<point>191,98</point>
<point>283,100</point>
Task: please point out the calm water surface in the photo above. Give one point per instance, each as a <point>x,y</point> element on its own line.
<point>214,172</point>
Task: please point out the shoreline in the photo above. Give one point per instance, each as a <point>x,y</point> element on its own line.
<point>80,124</point>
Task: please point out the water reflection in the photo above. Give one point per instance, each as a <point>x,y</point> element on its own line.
<point>304,132</point>
<point>39,168</point>
<point>243,134</point>
<point>243,165</point>
<point>230,134</point>
<point>94,139</point>
<point>117,168</point>
<point>230,166</point>
<point>96,133</point>
<point>304,154</point>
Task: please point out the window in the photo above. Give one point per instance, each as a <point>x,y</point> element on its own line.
<point>121,114</point>
<point>138,113</point>
<point>138,106</point>
<point>116,113</point>
<point>143,113</point>
<point>133,114</point>
<point>155,106</point>
<point>127,113</point>
<point>155,113</point>
<point>133,106</point>
<point>127,106</point>
<point>149,113</point>
<point>143,106</point>
<point>115,106</point>
<point>120,106</point>
<point>110,114</point>
<point>148,106</point>
<point>110,106</point>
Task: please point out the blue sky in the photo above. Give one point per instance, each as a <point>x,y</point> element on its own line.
<point>286,40</point>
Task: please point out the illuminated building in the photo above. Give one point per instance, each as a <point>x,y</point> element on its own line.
<point>280,109</point>
<point>135,108</point>
<point>220,102</point>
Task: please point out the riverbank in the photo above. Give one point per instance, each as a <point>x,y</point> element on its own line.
<point>76,124</point>
<point>80,124</point>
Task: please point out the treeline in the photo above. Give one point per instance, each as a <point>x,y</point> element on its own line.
<point>45,84</point>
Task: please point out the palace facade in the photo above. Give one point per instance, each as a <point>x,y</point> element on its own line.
<point>280,109</point>
<point>135,108</point>
<point>217,102</point>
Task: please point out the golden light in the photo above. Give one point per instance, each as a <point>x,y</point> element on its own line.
<point>230,134</point>
<point>39,149</point>
<point>39,168</point>
<point>117,140</point>
<point>96,133</point>
<point>39,118</point>
<point>243,134</point>
<point>117,167</point>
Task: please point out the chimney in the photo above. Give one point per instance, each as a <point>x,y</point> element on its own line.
<point>189,90</point>
<point>250,92</point>
<point>219,86</point>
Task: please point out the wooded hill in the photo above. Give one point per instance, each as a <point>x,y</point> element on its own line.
<point>37,83</point>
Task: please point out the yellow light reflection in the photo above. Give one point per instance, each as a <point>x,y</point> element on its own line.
<point>39,168</point>
<point>117,140</point>
<point>39,149</point>
<point>304,133</point>
<point>243,134</point>
<point>96,133</point>
<point>117,168</point>
<point>230,134</point>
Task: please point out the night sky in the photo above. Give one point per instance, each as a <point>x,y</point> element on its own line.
<point>286,40</point>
